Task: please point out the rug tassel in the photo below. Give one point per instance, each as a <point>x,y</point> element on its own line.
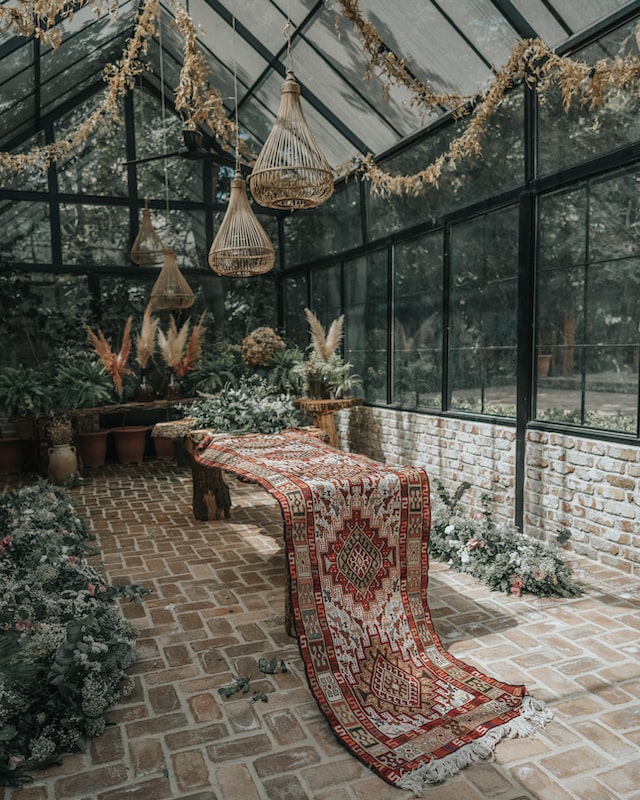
<point>534,713</point>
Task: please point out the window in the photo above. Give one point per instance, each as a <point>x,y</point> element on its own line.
<point>588,303</point>
<point>482,338</point>
<point>417,322</point>
<point>366,332</point>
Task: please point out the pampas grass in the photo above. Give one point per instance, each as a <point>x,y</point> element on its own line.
<point>146,339</point>
<point>180,350</point>
<point>324,343</point>
<point>114,363</point>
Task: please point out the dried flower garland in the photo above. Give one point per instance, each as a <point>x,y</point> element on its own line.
<point>39,17</point>
<point>531,62</point>
<point>196,102</point>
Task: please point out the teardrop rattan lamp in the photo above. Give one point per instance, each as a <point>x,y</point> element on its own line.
<point>291,172</point>
<point>171,292</point>
<point>148,248</point>
<point>241,247</point>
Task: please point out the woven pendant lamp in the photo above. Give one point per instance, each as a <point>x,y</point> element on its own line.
<point>148,248</point>
<point>241,247</point>
<point>171,292</point>
<point>291,172</point>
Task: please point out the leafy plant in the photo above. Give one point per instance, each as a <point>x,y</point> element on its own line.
<point>500,556</point>
<point>24,391</point>
<point>64,647</point>
<point>251,407</point>
<point>81,381</point>
<point>284,370</point>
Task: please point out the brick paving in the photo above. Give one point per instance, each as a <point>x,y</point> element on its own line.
<point>217,607</point>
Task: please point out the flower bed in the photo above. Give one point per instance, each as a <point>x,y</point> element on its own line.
<point>64,647</point>
<point>499,555</point>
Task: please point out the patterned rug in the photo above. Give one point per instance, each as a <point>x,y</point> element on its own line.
<point>356,535</point>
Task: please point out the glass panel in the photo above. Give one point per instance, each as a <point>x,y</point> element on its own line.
<point>483,322</point>
<point>97,165</point>
<point>542,20</point>
<point>295,300</point>
<point>25,232</point>
<point>499,168</point>
<point>561,231</point>
<point>366,329</point>
<point>94,234</point>
<point>417,313</point>
<point>569,137</point>
<point>331,228</point>
<point>346,55</point>
<point>155,137</point>
<point>587,326</point>
<point>326,295</point>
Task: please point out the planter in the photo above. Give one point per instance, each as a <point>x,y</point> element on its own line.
<point>92,448</point>
<point>10,455</point>
<point>130,443</point>
<point>165,448</point>
<point>544,363</point>
<point>63,463</point>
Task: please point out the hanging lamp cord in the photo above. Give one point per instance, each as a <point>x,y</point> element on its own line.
<point>164,117</point>
<point>235,89</point>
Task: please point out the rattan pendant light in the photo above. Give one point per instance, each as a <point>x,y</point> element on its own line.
<point>148,248</point>
<point>291,172</point>
<point>241,247</point>
<point>171,292</point>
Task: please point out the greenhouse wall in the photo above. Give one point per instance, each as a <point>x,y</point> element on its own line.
<point>585,486</point>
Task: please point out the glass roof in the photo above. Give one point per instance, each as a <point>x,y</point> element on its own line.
<point>451,44</point>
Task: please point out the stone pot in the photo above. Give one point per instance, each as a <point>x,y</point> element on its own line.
<point>63,463</point>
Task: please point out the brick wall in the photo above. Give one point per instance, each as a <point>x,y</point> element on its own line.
<point>587,486</point>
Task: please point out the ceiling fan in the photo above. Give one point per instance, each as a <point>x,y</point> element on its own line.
<point>194,148</point>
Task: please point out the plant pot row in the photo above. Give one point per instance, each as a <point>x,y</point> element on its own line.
<point>130,445</point>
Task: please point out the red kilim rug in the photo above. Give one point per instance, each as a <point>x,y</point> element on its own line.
<point>356,536</point>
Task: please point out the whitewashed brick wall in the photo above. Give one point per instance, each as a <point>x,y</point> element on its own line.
<point>590,487</point>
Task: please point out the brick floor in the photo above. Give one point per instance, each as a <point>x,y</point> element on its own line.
<point>217,607</point>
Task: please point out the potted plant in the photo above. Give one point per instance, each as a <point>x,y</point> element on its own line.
<point>24,394</point>
<point>81,382</point>
<point>324,371</point>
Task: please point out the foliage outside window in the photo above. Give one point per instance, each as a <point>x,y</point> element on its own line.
<point>94,234</point>
<point>483,319</point>
<point>25,233</point>
<point>331,228</point>
<point>417,313</point>
<point>366,328</point>
<point>97,167</point>
<point>589,248</point>
<point>295,302</point>
<point>570,137</point>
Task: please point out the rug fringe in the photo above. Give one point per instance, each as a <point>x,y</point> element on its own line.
<point>533,713</point>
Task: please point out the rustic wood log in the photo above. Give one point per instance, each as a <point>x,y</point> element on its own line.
<point>211,496</point>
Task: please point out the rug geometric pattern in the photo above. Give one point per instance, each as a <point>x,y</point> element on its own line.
<point>356,535</point>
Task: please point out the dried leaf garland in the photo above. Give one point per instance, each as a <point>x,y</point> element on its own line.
<point>114,363</point>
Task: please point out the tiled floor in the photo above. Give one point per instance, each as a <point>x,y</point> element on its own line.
<point>217,607</point>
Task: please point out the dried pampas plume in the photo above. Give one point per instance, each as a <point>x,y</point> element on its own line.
<point>324,343</point>
<point>179,350</point>
<point>146,339</point>
<point>114,363</point>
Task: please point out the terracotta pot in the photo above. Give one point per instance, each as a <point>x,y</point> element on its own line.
<point>10,455</point>
<point>92,447</point>
<point>63,463</point>
<point>164,448</point>
<point>130,443</point>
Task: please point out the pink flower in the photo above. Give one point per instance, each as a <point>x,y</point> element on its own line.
<point>72,559</point>
<point>14,761</point>
<point>4,543</point>
<point>91,588</point>
<point>517,585</point>
<point>23,624</point>
<point>475,542</point>
<point>538,574</point>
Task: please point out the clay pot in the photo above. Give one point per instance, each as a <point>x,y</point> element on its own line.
<point>130,443</point>
<point>63,463</point>
<point>92,447</point>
